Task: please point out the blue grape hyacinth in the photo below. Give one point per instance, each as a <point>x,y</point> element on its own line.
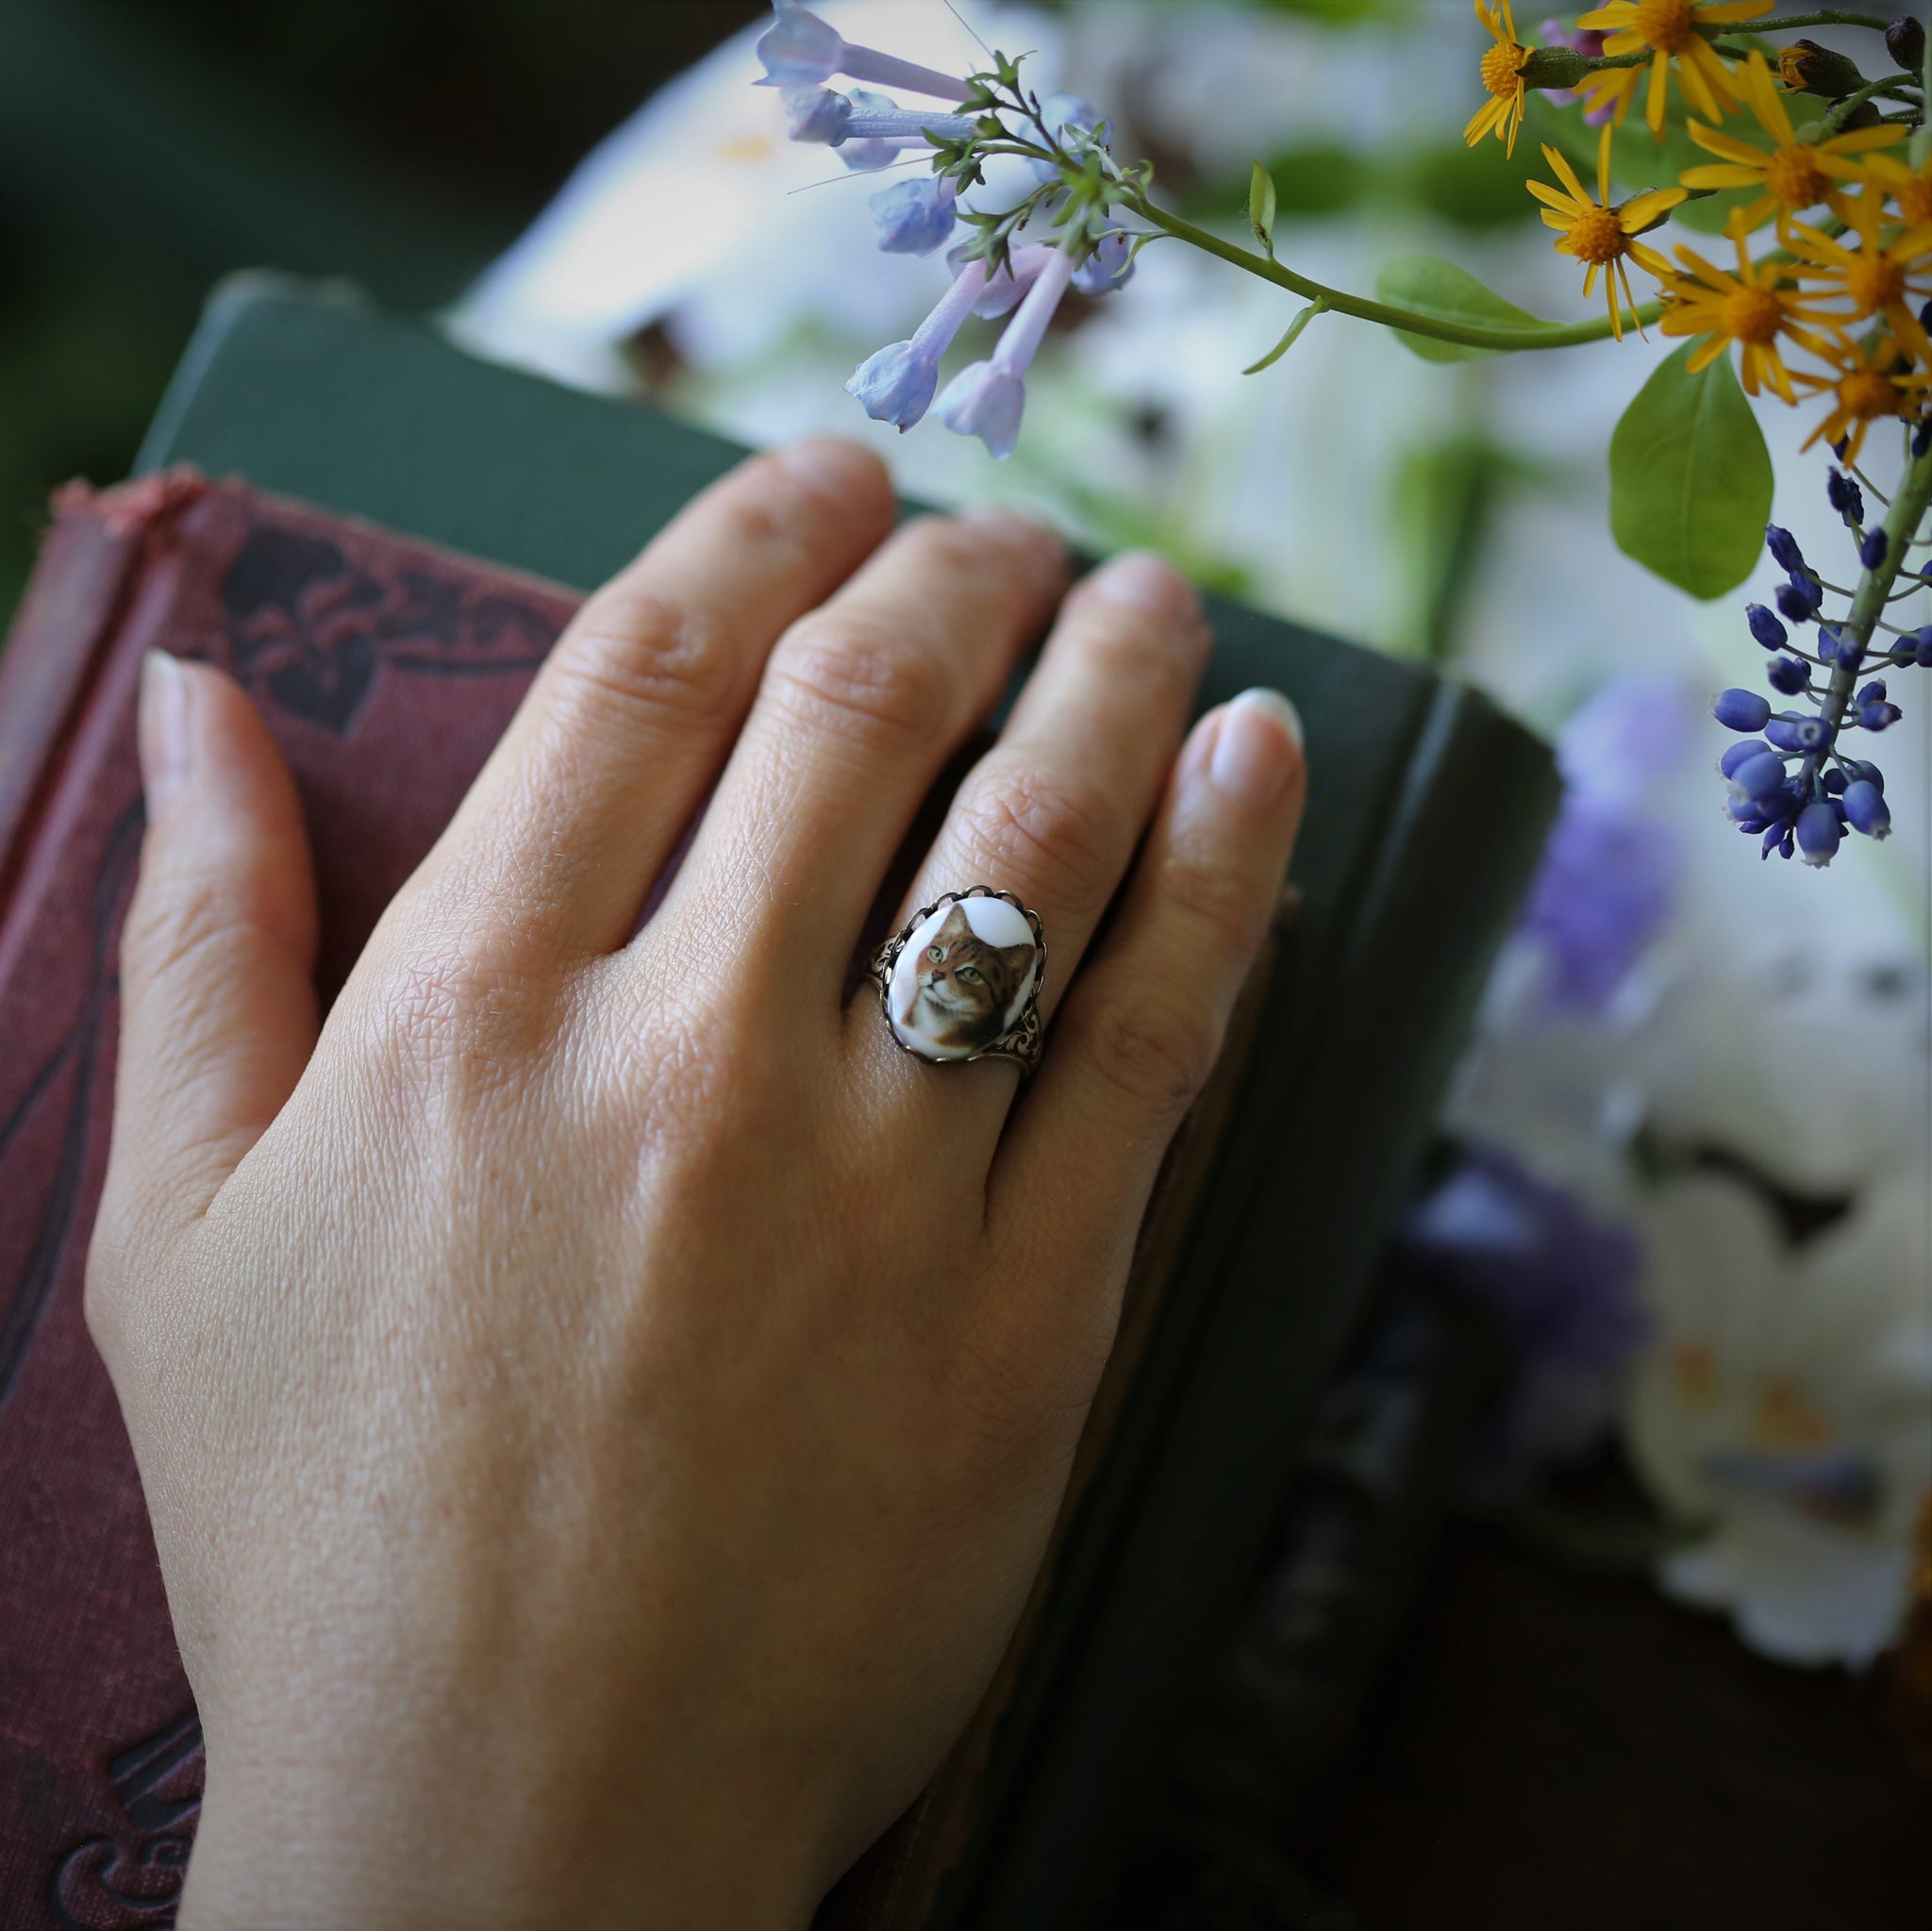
<point>1791,784</point>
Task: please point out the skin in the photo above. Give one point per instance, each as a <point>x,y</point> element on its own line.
<point>601,1405</point>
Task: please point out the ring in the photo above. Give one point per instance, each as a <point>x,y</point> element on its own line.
<point>962,980</point>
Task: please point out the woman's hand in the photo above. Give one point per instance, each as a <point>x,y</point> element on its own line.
<point>602,1405</point>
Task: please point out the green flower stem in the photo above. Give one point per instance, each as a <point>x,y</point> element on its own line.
<point>1908,506</point>
<point>1500,338</point>
<point>1840,111</point>
<point>1831,17</point>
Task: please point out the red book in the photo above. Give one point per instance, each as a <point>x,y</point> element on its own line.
<point>332,628</point>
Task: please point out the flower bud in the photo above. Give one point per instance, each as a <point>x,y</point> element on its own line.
<point>1784,549</point>
<point>1765,627</point>
<point>1553,67</point>
<point>1808,68</point>
<point>1922,648</point>
<point>1872,551</point>
<point>1737,756</point>
<point>1819,833</point>
<point>1800,734</point>
<point>1741,710</point>
<point>1866,809</point>
<point>818,115</point>
<point>1905,40</point>
<point>1878,716</point>
<point>1848,652</point>
<point>1759,778</point>
<point>1789,674</point>
<point>1799,599</point>
<point>1844,496</point>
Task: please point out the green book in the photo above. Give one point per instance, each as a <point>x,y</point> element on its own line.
<point>1426,811</point>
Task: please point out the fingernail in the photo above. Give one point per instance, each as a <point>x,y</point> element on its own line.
<point>1147,582</point>
<point>1256,748</point>
<point>161,730</point>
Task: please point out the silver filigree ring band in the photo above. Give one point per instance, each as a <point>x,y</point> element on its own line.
<point>962,980</point>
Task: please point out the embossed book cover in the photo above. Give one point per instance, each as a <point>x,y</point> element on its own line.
<point>387,663</point>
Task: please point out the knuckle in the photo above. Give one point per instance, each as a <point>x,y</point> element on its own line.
<point>955,546</point>
<point>1130,651</point>
<point>1027,823</point>
<point>777,506</point>
<point>1220,903</point>
<point>1155,1053</point>
<point>463,1013</point>
<point>851,676</point>
<point>634,647</point>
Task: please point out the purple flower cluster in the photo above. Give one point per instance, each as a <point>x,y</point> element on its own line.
<point>900,383</point>
<point>1792,782</point>
<point>1564,1285</point>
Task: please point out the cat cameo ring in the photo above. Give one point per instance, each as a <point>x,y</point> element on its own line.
<point>961,981</point>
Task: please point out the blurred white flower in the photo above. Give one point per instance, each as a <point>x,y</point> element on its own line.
<point>1787,1406</point>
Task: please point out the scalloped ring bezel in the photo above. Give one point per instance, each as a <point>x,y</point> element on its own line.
<point>1021,1042</point>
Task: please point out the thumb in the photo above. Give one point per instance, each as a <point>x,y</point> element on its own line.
<point>218,1013</point>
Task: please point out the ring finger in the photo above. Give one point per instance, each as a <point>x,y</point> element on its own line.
<point>1053,812</point>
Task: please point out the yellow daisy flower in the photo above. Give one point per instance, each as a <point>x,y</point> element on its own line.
<point>1794,175</point>
<point>1670,29</point>
<point>1502,77</point>
<point>1911,188</point>
<point>1876,278</point>
<point>1594,232</point>
<point>1867,385</point>
<point>1752,308</point>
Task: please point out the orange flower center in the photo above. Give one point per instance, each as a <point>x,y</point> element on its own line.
<point>1752,315</point>
<point>1501,66</point>
<point>1874,282</point>
<point>1671,25</point>
<point>1794,176</point>
<point>1597,234</point>
<point>1866,393</point>
<point>1786,1420</point>
<point>1693,1368</point>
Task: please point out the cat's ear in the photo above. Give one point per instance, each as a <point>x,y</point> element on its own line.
<point>1017,959</point>
<point>958,927</point>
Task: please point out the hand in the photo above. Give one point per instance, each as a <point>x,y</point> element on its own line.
<point>601,1403</point>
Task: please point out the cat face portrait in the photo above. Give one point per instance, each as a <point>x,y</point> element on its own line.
<point>962,978</point>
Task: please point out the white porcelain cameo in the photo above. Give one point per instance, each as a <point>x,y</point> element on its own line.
<point>962,978</point>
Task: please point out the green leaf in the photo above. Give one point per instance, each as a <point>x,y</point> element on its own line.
<point>1444,293</point>
<point>1317,306</point>
<point>1261,206</point>
<point>1691,477</point>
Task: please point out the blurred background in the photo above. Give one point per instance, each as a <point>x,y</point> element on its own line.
<point>1661,1669</point>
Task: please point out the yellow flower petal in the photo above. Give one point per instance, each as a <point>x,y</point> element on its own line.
<point>1711,141</point>
<point>1565,174</point>
<point>1861,138</point>
<point>1645,209</point>
<point>1720,174</point>
<point>1764,100</point>
<point>1654,107</point>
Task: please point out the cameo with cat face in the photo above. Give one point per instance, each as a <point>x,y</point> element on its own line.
<point>962,978</point>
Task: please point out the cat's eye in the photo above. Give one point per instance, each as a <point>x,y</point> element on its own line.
<point>969,973</point>
<point>935,953</point>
